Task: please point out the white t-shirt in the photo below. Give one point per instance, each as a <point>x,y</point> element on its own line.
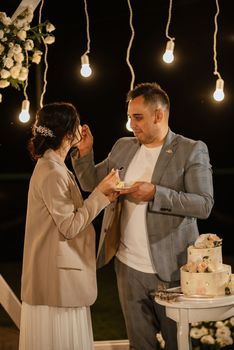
<point>134,248</point>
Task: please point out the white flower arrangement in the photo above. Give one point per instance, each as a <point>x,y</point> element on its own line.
<point>20,45</point>
<point>213,335</point>
<point>209,335</point>
<point>202,265</point>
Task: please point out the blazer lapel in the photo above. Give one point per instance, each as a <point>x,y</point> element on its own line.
<point>166,154</point>
<point>128,155</point>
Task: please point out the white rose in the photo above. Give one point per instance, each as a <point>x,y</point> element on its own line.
<point>10,52</point>
<point>50,39</point>
<point>22,34</point>
<point>17,49</point>
<point>19,57</point>
<point>4,19</point>
<point>23,74</point>
<point>36,58</point>
<point>207,339</point>
<point>232,321</point>
<point>50,27</point>
<point>4,84</point>
<point>223,332</point>
<point>1,33</point>
<point>224,341</point>
<point>15,71</point>
<point>19,23</point>
<point>5,74</point>
<point>8,62</point>
<point>29,44</point>
<point>197,333</point>
<point>219,324</point>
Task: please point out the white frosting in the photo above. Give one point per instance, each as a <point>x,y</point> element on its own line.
<point>120,184</point>
<point>212,255</point>
<point>205,284</point>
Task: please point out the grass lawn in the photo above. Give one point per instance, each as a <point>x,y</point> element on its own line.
<point>108,323</point>
<point>107,318</point>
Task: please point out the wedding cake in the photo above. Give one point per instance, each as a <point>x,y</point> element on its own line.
<point>205,274</point>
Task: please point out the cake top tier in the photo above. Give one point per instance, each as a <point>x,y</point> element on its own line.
<point>208,240</point>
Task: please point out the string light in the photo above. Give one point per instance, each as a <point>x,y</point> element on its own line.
<point>45,59</point>
<point>86,70</point>
<point>219,93</point>
<point>24,115</point>
<point>39,35</point>
<point>128,127</point>
<point>168,56</point>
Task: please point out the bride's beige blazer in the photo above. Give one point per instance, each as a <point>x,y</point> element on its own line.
<point>59,265</point>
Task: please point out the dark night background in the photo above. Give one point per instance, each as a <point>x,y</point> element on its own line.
<point>100,99</point>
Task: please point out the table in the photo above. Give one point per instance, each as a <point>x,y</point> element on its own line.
<point>187,310</point>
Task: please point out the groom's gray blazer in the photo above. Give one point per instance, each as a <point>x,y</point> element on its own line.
<point>184,192</point>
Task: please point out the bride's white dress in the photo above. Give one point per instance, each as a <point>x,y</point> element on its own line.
<point>55,328</point>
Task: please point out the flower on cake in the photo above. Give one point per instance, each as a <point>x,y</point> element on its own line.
<point>208,240</point>
<point>201,265</point>
<point>20,45</point>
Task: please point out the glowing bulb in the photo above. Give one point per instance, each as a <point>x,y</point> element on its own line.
<point>24,114</point>
<point>168,56</point>
<point>128,125</point>
<point>219,94</point>
<point>85,71</point>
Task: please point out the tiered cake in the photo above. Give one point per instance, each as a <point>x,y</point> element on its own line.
<point>205,274</point>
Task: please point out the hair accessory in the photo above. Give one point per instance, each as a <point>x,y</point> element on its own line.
<point>43,130</point>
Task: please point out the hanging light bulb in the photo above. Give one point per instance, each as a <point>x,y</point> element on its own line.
<point>219,94</point>
<point>85,71</point>
<point>168,56</point>
<point>128,125</point>
<point>24,114</point>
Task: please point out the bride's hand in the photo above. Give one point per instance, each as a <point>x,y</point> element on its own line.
<point>108,185</point>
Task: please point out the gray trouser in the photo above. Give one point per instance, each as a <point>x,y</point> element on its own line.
<point>143,317</point>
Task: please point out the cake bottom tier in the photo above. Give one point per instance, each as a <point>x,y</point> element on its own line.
<point>205,283</point>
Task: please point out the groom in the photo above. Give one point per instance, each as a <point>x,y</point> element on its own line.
<point>153,222</point>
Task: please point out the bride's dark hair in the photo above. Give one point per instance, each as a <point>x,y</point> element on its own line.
<point>53,122</point>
